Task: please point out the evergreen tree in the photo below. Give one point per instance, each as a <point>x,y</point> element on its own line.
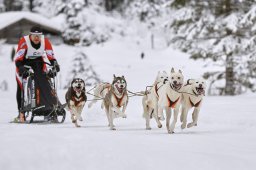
<point>213,30</point>
<point>81,68</point>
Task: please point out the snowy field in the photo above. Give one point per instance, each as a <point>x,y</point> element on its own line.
<point>224,138</point>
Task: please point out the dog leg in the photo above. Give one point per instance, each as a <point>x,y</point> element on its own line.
<point>123,111</point>
<point>73,117</point>
<point>111,119</point>
<point>175,118</point>
<point>107,113</point>
<point>160,113</point>
<point>147,117</point>
<point>168,118</point>
<point>80,109</point>
<point>194,118</point>
<point>159,125</point>
<point>184,114</point>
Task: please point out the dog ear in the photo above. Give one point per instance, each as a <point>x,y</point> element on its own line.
<point>180,71</point>
<point>172,70</point>
<point>114,76</point>
<point>123,77</point>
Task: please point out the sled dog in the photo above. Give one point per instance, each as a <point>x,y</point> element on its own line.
<point>150,100</point>
<point>100,92</point>
<point>115,99</point>
<point>192,97</point>
<point>76,98</point>
<point>170,98</point>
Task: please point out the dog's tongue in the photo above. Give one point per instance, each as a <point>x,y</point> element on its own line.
<point>78,89</point>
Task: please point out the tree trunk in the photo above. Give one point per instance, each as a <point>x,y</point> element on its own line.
<point>230,76</point>
<point>31,5</point>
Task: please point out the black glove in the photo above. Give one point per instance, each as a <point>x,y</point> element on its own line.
<point>55,64</point>
<point>51,74</point>
<point>23,72</point>
<point>57,67</point>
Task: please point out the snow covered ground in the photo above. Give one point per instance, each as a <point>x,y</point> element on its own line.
<point>224,138</point>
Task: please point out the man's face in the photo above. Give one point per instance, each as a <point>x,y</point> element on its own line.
<point>35,38</point>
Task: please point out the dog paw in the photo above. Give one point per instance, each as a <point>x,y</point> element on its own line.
<point>148,128</point>
<point>190,125</point>
<point>183,126</point>
<point>80,119</point>
<point>170,131</point>
<point>161,118</point>
<point>159,126</point>
<point>113,128</point>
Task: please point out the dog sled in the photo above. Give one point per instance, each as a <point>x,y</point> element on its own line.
<point>39,95</point>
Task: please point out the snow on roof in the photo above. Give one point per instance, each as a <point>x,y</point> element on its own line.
<point>8,18</point>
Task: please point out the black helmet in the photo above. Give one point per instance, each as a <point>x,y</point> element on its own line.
<point>36,30</point>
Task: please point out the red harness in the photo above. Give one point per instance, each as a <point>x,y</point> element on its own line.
<point>119,101</point>
<point>171,103</point>
<point>77,102</point>
<point>194,105</point>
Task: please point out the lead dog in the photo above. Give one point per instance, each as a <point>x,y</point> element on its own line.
<point>150,100</point>
<point>192,97</point>
<point>170,98</point>
<point>76,98</point>
<point>115,99</point>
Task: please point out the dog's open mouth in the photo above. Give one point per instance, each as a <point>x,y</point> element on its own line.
<point>200,90</point>
<point>176,86</point>
<point>78,89</point>
<point>119,89</point>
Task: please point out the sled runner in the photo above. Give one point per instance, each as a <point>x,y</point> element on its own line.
<point>39,94</point>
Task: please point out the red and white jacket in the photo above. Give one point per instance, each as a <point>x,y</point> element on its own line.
<point>26,51</point>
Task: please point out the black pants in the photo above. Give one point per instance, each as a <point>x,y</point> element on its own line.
<point>18,96</point>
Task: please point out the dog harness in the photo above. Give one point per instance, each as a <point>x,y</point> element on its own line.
<point>194,105</point>
<point>77,100</point>
<point>119,101</point>
<point>171,103</point>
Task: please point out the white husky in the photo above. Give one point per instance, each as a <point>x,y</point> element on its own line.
<point>170,98</point>
<point>150,100</point>
<point>192,96</point>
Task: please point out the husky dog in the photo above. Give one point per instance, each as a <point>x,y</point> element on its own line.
<point>76,98</point>
<point>170,98</point>
<point>116,98</point>
<point>192,96</point>
<point>100,92</point>
<point>150,100</point>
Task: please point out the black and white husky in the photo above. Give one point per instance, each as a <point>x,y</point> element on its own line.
<point>170,98</point>
<point>115,99</point>
<point>192,97</point>
<point>150,100</point>
<point>76,98</point>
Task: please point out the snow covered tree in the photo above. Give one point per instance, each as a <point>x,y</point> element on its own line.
<point>48,8</point>
<point>82,68</point>
<point>213,30</point>
<point>13,5</point>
